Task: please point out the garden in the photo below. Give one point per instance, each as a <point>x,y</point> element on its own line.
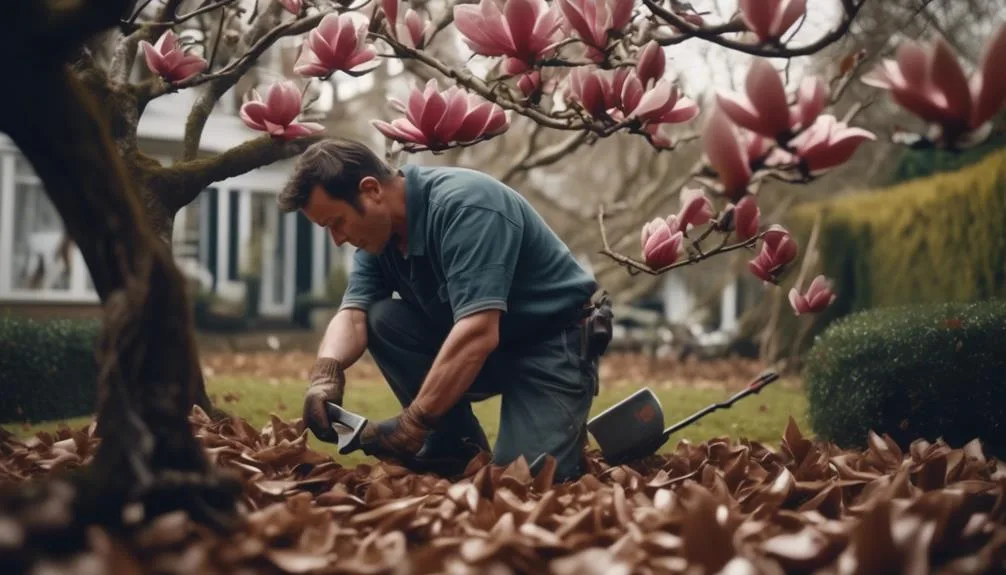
<point>874,445</point>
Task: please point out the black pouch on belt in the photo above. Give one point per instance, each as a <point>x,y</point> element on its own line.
<point>598,325</point>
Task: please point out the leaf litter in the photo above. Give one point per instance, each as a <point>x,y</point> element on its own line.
<point>718,506</point>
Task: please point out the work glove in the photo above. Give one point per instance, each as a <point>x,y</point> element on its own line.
<point>327,383</point>
<point>400,437</point>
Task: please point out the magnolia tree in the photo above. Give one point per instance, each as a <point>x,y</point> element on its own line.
<point>589,68</point>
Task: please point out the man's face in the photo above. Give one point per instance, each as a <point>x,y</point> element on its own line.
<point>369,230</point>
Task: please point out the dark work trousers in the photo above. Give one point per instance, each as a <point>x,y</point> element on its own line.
<point>546,387</point>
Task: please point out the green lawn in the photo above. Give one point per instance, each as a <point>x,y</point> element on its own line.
<point>760,417</point>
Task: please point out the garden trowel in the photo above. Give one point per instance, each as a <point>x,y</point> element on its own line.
<point>349,426</point>
<point>634,427</point>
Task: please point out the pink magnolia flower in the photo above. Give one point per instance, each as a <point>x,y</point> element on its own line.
<point>777,250</point>
<point>727,154</point>
<point>764,109</point>
<point>524,31</point>
<point>929,82</point>
<point>337,44</point>
<point>661,241</point>
<point>597,91</point>
<point>746,216</point>
<point>277,113</point>
<point>292,6</point>
<point>817,297</point>
<point>662,104</point>
<point>169,60</point>
<point>696,209</point>
<point>413,32</point>
<point>435,120</point>
<point>828,143</point>
<point>770,19</point>
<point>592,20</point>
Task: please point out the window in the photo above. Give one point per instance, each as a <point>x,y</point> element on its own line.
<point>38,260</point>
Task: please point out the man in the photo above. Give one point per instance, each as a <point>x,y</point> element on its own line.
<point>491,302</point>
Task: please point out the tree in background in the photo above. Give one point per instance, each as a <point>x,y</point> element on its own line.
<point>593,70</point>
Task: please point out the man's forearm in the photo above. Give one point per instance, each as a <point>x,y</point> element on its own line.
<point>456,366</point>
<point>346,337</point>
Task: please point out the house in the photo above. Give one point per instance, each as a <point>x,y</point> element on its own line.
<point>233,222</point>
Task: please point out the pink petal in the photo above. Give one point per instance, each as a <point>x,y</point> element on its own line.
<point>786,17</point>
<point>253,115</point>
<point>631,94</point>
<point>573,11</point>
<point>283,102</point>
<point>913,64</point>
<point>416,27</point>
<point>621,14</point>
<point>470,23</point>
<point>684,110</point>
<point>810,100</point>
<point>740,111</point>
<point>274,129</point>
<point>839,150</point>
<point>363,61</point>
<point>758,16</point>
<point>190,66</point>
<point>768,96</point>
<point>725,153</point>
<point>990,92</point>
<point>498,123</point>
<point>759,271</point>
<point>521,18</point>
<point>655,99</point>
<point>395,131</point>
<point>949,78</point>
<point>155,62</point>
<point>651,64</point>
<point>433,113</point>
<point>168,42</point>
<point>475,122</point>
<point>411,132</point>
<point>797,302</point>
<point>390,8</point>
<point>453,117</point>
<point>746,216</point>
<point>297,130</point>
<point>496,26</point>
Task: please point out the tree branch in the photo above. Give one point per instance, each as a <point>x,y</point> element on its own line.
<point>203,106</point>
<point>851,8</point>
<point>187,179</point>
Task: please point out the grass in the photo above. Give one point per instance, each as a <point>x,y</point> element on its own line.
<point>760,417</point>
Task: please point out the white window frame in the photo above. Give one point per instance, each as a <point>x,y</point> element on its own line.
<point>79,274</point>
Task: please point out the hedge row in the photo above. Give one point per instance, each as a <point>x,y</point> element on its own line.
<point>48,368</point>
<point>930,371</point>
<point>935,239</point>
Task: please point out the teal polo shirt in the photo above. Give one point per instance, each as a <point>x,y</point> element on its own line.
<point>473,244</point>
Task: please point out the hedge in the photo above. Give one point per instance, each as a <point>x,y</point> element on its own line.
<point>48,368</point>
<point>935,239</point>
<point>922,371</point>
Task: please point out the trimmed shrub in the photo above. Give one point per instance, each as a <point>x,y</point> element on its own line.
<point>930,240</point>
<point>48,369</point>
<point>927,371</point>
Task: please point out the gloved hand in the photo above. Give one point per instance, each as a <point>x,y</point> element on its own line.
<point>400,437</point>
<point>327,383</point>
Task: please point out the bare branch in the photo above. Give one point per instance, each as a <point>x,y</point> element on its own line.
<point>689,30</point>
<point>190,177</point>
<point>546,156</point>
<point>693,258</point>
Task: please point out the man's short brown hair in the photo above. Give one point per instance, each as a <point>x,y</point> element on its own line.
<point>337,165</point>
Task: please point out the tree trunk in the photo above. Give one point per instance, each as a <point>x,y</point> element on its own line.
<point>149,368</point>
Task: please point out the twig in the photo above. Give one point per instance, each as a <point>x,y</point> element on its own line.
<point>639,266</point>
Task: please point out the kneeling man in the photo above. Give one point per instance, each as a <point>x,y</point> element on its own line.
<point>491,302</point>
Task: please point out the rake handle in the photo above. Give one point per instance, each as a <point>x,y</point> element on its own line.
<point>755,386</point>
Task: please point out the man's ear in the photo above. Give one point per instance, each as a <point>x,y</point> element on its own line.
<point>371,187</point>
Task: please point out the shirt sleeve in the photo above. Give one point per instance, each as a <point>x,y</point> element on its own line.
<point>479,249</point>
<point>366,284</point>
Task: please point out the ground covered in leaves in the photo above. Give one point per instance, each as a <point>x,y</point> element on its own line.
<point>717,506</point>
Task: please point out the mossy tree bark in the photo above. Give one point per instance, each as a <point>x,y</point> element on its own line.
<point>149,370</point>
